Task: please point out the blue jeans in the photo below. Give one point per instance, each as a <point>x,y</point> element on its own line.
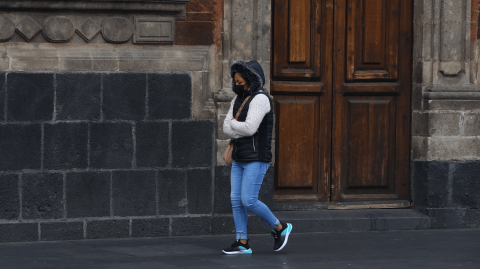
<point>246,180</point>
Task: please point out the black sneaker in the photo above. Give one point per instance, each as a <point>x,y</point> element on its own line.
<point>238,248</point>
<point>281,237</point>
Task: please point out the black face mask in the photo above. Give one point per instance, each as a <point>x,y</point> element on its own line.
<point>239,89</point>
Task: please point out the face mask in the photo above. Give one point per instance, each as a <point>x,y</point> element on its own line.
<point>238,89</point>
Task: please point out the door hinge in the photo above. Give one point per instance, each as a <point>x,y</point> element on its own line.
<point>331,187</point>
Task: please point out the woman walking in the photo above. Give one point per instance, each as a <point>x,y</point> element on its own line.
<point>251,132</point>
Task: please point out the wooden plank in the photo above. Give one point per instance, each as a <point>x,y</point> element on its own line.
<point>372,31</point>
<point>298,30</point>
<point>371,88</point>
<point>393,35</point>
<point>370,205</point>
<point>293,86</point>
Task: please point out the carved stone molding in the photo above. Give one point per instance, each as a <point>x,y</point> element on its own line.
<point>28,28</point>
<point>58,29</point>
<point>117,30</point>
<point>150,6</point>
<point>154,30</point>
<point>7,29</point>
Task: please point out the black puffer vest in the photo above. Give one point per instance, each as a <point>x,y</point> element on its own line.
<point>258,147</point>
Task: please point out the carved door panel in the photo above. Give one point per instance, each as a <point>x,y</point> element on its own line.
<point>301,86</point>
<point>371,115</point>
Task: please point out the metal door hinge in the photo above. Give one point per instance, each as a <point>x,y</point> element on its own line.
<point>331,187</point>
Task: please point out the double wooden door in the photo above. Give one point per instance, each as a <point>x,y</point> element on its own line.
<point>341,80</point>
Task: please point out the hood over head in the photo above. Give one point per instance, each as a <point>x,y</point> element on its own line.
<point>252,72</point>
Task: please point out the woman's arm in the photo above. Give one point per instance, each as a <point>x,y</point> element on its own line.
<point>226,124</point>
<point>258,108</point>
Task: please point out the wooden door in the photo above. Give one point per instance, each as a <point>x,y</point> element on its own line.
<point>301,85</point>
<point>341,81</point>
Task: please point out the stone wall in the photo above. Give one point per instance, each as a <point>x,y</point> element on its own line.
<point>446,113</point>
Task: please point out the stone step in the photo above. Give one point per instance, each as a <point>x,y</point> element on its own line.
<point>354,220</point>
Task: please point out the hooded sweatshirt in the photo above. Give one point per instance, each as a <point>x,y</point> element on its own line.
<point>252,132</point>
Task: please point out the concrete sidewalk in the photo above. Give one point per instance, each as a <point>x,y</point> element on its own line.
<point>391,249</point>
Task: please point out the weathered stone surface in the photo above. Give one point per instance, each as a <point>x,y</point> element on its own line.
<point>453,148</point>
<point>172,193</point>
<point>223,225</point>
<point>472,218</point>
<point>133,193</point>
<point>150,227</point>
<point>111,145</point>
<point>58,29</point>
<point>7,28</point>
<point>194,33</point>
<point>88,194</point>
<point>222,201</point>
<point>108,229</point>
<point>220,135</point>
<point>78,96</point>
<point>446,218</point>
<point>419,124</point>
<point>444,124</point>
<point>438,181</point>
<point>191,226</point>
<point>419,185</point>
<point>54,231</point>
<point>124,96</point>
<point>221,146</point>
<point>152,144</point>
<point>18,141</point>
<point>192,144</point>
<point>466,184</point>
<point>88,30</point>
<point>2,93</point>
<point>18,232</point>
<point>30,96</point>
<point>472,124</point>
<point>9,197</point>
<point>28,28</point>
<point>65,146</point>
<point>199,191</point>
<point>169,96</point>
<point>156,30</point>
<point>117,30</point>
<point>42,196</point>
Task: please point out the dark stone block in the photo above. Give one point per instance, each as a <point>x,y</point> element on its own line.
<point>222,201</point>
<point>30,96</point>
<point>53,231</point>
<point>2,95</point>
<point>472,218</point>
<point>133,193</point>
<point>172,192</point>
<point>152,144</point>
<point>9,197</point>
<point>446,218</point>
<point>169,96</point>
<point>111,145</point>
<point>88,194</point>
<point>466,184</point>
<point>191,226</point>
<point>16,143</point>
<point>438,184</point>
<point>192,143</point>
<point>419,187</point>
<point>65,146</point>
<point>124,96</point>
<point>256,225</point>
<point>78,96</point>
<point>18,232</point>
<point>199,191</point>
<point>150,227</point>
<point>108,229</point>
<point>223,225</point>
<point>42,196</point>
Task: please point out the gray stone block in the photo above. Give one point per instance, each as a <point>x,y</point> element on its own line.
<point>472,124</point>
<point>152,144</point>
<point>419,185</point>
<point>150,227</point>
<point>438,184</point>
<point>223,225</point>
<point>65,146</point>
<point>444,124</point>
<point>18,141</point>
<point>111,145</point>
<point>9,197</point>
<point>199,191</point>
<point>466,184</point>
<point>419,124</point>
<point>192,143</point>
<point>169,96</point>
<point>457,105</point>
<point>472,218</point>
<point>108,229</point>
<point>222,201</point>
<point>219,134</point>
<point>18,232</point>
<point>446,218</point>
<point>42,196</point>
<point>88,194</point>
<point>133,193</point>
<point>30,96</point>
<point>54,231</point>
<point>124,96</point>
<point>172,192</point>
<point>191,226</point>
<point>78,96</point>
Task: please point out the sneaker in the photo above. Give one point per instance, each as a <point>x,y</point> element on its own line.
<point>281,237</point>
<point>238,248</point>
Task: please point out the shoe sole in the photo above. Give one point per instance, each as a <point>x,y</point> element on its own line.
<point>238,252</point>
<point>286,238</point>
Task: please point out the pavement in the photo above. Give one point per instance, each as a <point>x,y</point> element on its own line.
<point>389,249</point>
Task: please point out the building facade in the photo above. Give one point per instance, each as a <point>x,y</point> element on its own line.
<point>111,112</point>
